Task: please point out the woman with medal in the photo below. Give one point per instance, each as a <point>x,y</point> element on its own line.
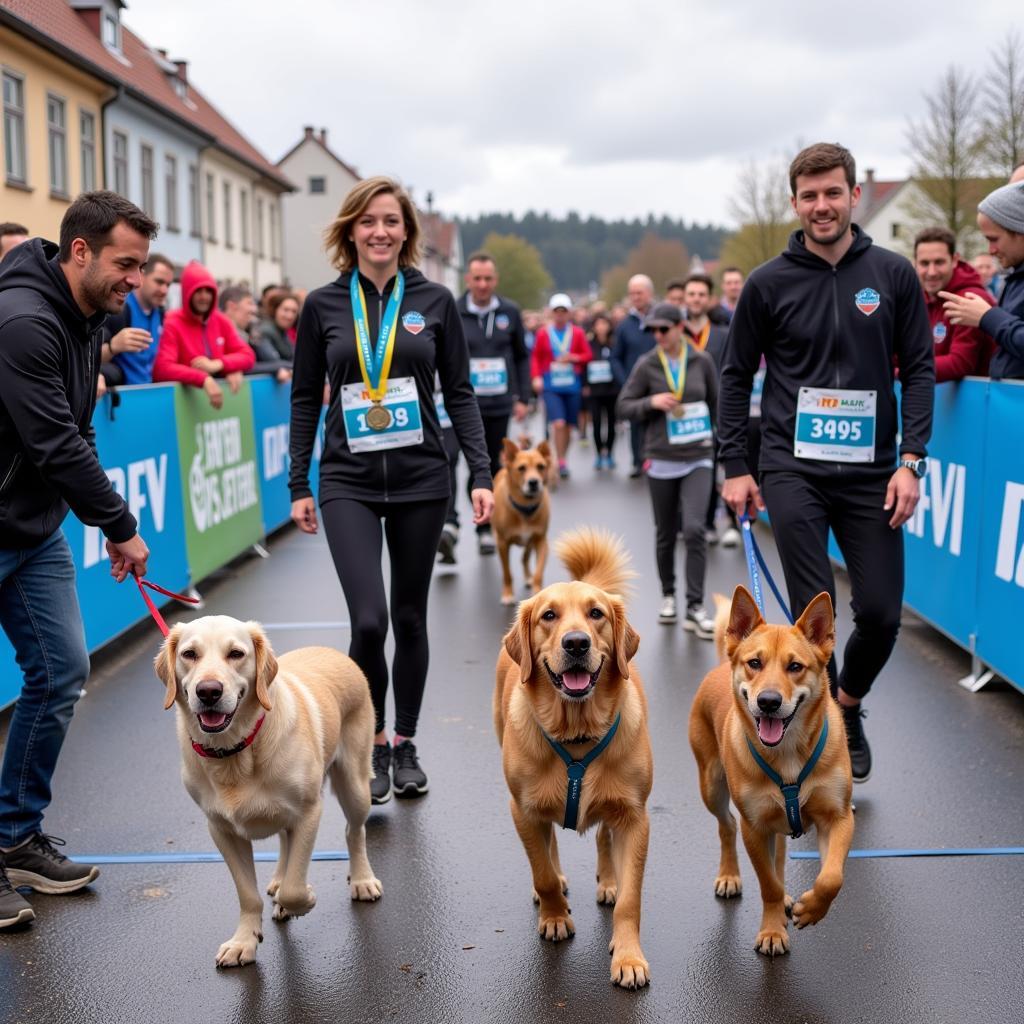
<point>379,334</point>
<point>672,392</point>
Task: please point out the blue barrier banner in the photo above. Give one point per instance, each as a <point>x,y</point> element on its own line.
<point>1000,602</point>
<point>271,405</point>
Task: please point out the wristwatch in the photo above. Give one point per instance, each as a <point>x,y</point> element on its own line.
<point>916,466</point>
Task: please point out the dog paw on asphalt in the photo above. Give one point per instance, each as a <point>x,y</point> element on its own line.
<point>809,909</point>
<point>607,893</point>
<point>556,927</point>
<point>630,971</point>
<point>366,889</point>
<point>728,886</point>
<point>239,951</point>
<point>772,942</point>
<point>293,904</point>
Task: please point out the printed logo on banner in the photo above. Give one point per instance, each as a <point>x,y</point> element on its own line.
<point>867,300</point>
<point>939,333</point>
<point>275,451</point>
<point>222,482</point>
<point>942,501</point>
<point>502,321</point>
<point>1009,556</point>
<point>414,322</point>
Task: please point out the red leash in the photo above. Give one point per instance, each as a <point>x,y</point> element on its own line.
<point>153,610</point>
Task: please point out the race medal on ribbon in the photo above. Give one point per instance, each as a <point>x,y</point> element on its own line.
<point>378,418</point>
<point>677,412</point>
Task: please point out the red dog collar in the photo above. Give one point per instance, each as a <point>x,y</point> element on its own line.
<point>221,752</point>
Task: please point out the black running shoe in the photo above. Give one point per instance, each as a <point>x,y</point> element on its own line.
<point>446,545</point>
<point>856,741</point>
<point>380,786</point>
<point>39,865</point>
<point>409,778</point>
<point>14,908</point>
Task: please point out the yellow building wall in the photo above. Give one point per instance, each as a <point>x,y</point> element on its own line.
<point>42,73</point>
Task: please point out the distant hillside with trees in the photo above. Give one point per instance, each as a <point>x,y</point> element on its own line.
<point>578,252</point>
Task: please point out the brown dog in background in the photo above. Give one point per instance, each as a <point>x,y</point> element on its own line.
<point>773,692</point>
<point>565,671</point>
<point>521,513</point>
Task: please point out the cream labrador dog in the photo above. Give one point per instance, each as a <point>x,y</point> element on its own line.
<point>258,736</point>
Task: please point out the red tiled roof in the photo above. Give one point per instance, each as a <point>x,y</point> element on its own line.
<point>141,74</point>
<point>874,195</point>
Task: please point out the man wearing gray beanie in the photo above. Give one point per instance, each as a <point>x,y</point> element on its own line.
<point>1001,221</point>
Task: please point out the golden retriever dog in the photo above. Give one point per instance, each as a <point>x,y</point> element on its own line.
<point>772,696</point>
<point>521,512</point>
<point>565,675</point>
<point>258,736</point>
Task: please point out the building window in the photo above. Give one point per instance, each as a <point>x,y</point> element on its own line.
<point>260,251</point>
<point>111,31</point>
<point>274,249</point>
<point>121,164</point>
<point>229,239</point>
<point>14,128</point>
<point>896,231</point>
<point>148,201</point>
<point>171,191</point>
<point>211,202</point>
<point>87,138</point>
<point>180,87</point>
<point>193,200</point>
<point>243,198</point>
<point>318,185</point>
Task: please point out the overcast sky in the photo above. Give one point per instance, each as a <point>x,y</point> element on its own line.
<point>559,105</point>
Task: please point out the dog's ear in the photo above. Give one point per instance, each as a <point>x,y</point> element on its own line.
<point>509,449</point>
<point>744,618</point>
<point>627,639</point>
<point>519,641</point>
<point>818,624</point>
<point>545,449</point>
<point>164,664</point>
<point>266,663</point>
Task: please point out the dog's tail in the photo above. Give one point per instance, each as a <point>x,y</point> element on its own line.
<point>597,557</point>
<point>722,608</point>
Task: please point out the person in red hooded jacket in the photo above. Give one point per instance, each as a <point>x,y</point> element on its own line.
<point>199,343</point>
<point>960,351</point>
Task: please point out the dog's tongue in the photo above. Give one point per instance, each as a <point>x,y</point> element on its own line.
<point>576,680</point>
<point>770,729</point>
<point>212,719</point>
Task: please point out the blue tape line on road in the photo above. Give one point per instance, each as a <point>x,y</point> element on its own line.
<point>261,856</point>
<point>991,851</point>
<point>306,625</point>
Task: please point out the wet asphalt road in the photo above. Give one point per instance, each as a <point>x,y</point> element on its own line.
<point>935,941</point>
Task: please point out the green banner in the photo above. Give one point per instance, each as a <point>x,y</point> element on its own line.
<point>219,478</point>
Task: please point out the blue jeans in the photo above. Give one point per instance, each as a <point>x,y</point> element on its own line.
<point>39,613</point>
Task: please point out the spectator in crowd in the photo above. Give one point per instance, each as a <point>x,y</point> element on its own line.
<point>732,285</point>
<point>199,343</point>
<point>238,305</point>
<point>11,236</point>
<point>268,292</point>
<point>1001,221</point>
<point>133,334</point>
<point>602,390</point>
<point>960,351</point>
<point>675,292</point>
<point>282,316</point>
<point>631,342</point>
<point>988,270</point>
<point>532,323</point>
<point>619,313</point>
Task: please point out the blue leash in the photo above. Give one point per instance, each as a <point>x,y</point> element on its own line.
<point>755,558</point>
<point>577,769</point>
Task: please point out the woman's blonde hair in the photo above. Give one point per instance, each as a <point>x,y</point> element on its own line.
<point>338,237</point>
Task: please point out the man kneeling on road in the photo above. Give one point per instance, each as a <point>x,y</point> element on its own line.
<point>830,316</point>
<point>53,303</point>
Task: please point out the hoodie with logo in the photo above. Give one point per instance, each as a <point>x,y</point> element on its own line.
<point>820,326</point>
<point>186,336</point>
<point>960,351</point>
<point>49,361</point>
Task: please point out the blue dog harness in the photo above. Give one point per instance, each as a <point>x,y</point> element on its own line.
<point>791,793</point>
<point>577,769</point>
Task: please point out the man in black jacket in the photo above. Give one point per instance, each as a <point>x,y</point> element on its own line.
<point>832,316</point>
<point>53,304</point>
<point>499,370</point>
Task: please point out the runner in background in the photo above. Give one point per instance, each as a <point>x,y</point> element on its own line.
<point>602,390</point>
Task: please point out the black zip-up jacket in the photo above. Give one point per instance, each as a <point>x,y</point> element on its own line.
<point>499,333</point>
<point>49,361</point>
<point>802,314</point>
<point>327,347</point>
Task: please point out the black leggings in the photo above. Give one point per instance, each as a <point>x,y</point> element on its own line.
<point>801,510</point>
<point>602,411</point>
<point>355,536</point>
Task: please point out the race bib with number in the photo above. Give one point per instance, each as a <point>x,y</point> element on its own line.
<point>562,377</point>
<point>599,371</point>
<point>402,404</point>
<point>489,376</point>
<point>693,423</point>
<point>835,426</point>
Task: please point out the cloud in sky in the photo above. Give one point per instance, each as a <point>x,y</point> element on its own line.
<point>654,106</point>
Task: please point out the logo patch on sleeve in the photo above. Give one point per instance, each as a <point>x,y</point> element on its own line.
<point>414,322</point>
<point>867,300</point>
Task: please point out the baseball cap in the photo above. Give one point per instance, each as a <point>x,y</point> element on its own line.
<point>560,301</point>
<point>664,314</point>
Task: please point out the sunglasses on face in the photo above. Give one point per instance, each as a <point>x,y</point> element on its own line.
<point>660,330</point>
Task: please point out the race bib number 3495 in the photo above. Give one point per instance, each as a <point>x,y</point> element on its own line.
<point>835,426</point>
